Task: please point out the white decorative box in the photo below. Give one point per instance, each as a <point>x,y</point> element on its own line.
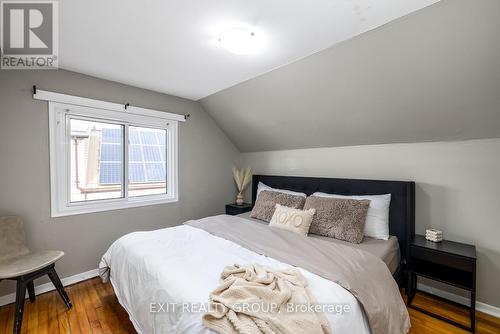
<point>434,235</point>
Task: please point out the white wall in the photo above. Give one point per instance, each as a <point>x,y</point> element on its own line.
<point>458,186</point>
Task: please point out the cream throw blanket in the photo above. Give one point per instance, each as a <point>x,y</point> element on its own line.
<point>255,299</point>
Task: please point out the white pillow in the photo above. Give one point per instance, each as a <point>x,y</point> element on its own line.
<point>377,218</point>
<point>291,219</point>
<point>261,187</point>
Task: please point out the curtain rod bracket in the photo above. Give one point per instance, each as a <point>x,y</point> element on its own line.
<point>127,105</point>
<point>187,116</point>
<point>34,89</point>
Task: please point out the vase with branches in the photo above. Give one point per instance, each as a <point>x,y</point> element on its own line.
<point>242,178</point>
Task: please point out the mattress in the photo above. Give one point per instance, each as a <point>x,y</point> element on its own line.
<point>386,250</point>
<point>178,267</point>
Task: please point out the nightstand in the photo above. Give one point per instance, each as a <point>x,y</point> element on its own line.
<point>235,209</point>
<point>448,262</point>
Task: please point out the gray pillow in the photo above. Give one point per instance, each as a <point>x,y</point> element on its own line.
<point>338,218</point>
<point>266,203</point>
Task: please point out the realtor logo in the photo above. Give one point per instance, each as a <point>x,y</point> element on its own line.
<point>29,34</point>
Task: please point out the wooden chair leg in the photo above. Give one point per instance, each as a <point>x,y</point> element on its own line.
<point>20,296</point>
<point>60,288</point>
<point>31,291</point>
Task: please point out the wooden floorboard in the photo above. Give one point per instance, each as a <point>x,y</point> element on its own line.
<point>96,310</point>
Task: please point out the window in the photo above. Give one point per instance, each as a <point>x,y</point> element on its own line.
<point>106,159</point>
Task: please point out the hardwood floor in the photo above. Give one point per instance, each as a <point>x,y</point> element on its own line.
<point>95,310</point>
<point>421,323</point>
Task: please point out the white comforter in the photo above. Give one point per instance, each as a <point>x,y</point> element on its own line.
<point>181,265</point>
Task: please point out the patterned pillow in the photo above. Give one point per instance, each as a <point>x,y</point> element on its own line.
<point>266,203</point>
<point>294,220</point>
<point>338,218</point>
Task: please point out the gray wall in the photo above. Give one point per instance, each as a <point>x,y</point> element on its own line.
<point>206,157</point>
<point>432,75</point>
<point>457,188</point>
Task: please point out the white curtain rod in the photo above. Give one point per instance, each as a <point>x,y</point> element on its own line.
<point>43,95</point>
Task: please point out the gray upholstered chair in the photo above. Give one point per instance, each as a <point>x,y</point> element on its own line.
<point>18,263</point>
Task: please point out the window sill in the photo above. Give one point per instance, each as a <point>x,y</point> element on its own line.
<point>109,205</point>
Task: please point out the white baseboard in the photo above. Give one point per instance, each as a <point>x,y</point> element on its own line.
<point>485,308</point>
<point>11,298</point>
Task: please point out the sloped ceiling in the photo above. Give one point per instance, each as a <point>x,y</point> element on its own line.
<point>171,46</point>
<point>432,75</point>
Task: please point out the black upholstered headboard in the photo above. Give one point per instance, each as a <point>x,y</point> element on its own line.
<point>401,211</point>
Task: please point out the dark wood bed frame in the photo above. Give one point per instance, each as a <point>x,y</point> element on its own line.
<point>401,211</point>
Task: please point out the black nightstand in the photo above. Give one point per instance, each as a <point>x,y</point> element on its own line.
<point>235,209</point>
<point>448,262</point>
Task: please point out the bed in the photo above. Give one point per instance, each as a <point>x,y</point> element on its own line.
<point>387,250</point>
<point>163,278</point>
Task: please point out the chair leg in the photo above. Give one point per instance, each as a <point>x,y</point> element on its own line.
<point>20,296</point>
<point>60,288</point>
<point>31,291</point>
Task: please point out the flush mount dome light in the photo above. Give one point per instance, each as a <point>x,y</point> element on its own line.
<point>241,40</point>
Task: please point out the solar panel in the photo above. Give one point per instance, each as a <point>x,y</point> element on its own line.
<point>111,152</point>
<point>146,155</point>
<point>155,172</point>
<point>161,137</point>
<point>163,153</point>
<point>110,135</point>
<point>110,166</point>
<point>110,173</point>
<point>151,153</point>
<point>134,136</point>
<point>136,172</point>
<point>135,153</point>
<point>148,138</point>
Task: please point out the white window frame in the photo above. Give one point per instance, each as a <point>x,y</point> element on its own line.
<point>60,112</point>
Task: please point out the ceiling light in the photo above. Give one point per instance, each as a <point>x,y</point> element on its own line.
<point>241,39</point>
